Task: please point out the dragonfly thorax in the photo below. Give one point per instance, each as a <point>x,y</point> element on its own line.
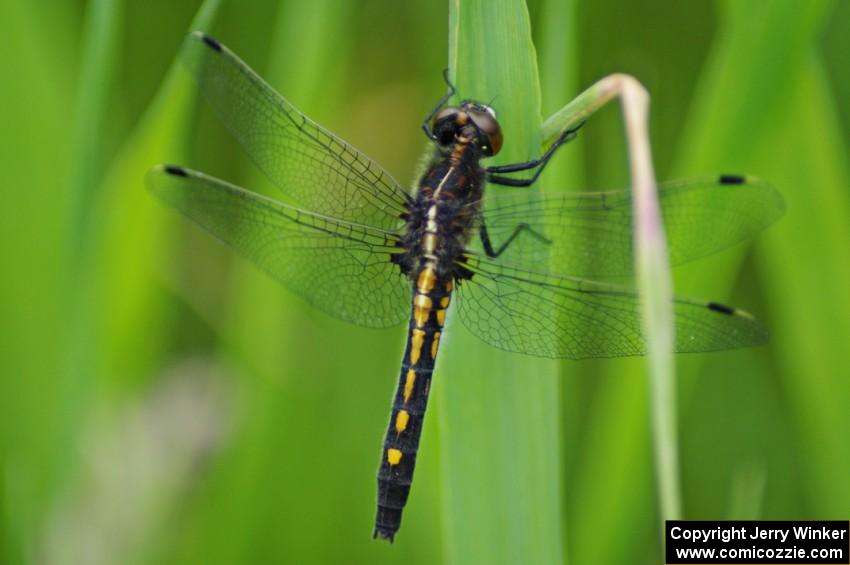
<point>441,217</point>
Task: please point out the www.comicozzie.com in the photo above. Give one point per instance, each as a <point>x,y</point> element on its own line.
<point>757,542</point>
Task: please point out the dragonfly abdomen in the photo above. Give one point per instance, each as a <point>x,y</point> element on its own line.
<point>431,296</point>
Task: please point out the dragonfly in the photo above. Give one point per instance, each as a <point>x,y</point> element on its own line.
<point>540,276</point>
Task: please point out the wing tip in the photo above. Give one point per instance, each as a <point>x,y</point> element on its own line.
<point>779,206</point>
<point>732,179</point>
<point>156,175</point>
<point>174,170</point>
<point>756,332</point>
<point>208,40</point>
<point>723,309</point>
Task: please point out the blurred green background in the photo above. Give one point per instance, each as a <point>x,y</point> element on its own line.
<point>161,401</point>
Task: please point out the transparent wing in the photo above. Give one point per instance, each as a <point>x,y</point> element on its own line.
<point>313,167</point>
<point>341,268</point>
<point>557,316</point>
<point>590,234</point>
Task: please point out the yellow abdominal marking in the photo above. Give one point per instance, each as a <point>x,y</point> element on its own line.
<point>434,345</point>
<point>426,280</point>
<point>393,456</point>
<point>401,420</point>
<point>416,340</point>
<point>444,302</point>
<point>441,317</point>
<point>408,384</point>
<point>449,286</point>
<point>421,309</point>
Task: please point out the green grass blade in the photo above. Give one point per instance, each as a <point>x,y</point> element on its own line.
<point>558,52</point>
<point>654,283</point>
<point>96,84</point>
<point>765,42</point>
<point>559,55</point>
<point>805,261</point>
<point>132,234</point>
<point>89,156</point>
<point>492,57</point>
<point>33,228</point>
<point>651,263</point>
<point>498,413</point>
<point>727,124</point>
<point>747,493</point>
<point>783,130</point>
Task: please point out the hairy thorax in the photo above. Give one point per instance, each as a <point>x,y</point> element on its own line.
<point>443,214</point>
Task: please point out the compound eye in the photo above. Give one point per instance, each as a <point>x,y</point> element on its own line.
<point>445,125</point>
<point>485,121</point>
<point>446,114</point>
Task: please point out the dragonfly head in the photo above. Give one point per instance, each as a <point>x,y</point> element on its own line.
<point>480,118</point>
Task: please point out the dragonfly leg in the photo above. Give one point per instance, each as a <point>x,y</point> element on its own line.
<point>540,163</point>
<point>488,245</point>
<point>507,181</point>
<point>426,123</point>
